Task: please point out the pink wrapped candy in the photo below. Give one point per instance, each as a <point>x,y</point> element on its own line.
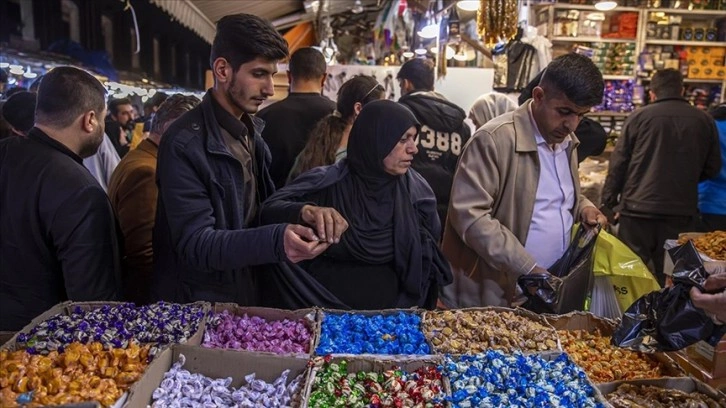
<point>228,331</point>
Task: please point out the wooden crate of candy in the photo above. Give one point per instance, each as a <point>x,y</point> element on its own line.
<point>390,333</point>
<point>261,329</point>
<point>665,392</point>
<point>358,382</point>
<point>475,330</point>
<point>91,351</point>
<point>496,379</point>
<point>196,376</point>
<point>586,338</point>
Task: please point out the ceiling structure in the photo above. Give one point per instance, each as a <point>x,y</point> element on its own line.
<point>200,15</point>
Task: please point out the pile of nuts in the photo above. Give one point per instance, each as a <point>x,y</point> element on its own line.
<point>712,244</point>
<point>604,362</point>
<point>475,331</point>
<point>81,372</point>
<point>648,396</point>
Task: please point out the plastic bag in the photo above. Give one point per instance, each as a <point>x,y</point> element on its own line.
<point>627,273</point>
<point>570,283</point>
<point>667,320</point>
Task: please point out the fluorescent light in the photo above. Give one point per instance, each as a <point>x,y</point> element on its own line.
<point>430,31</point>
<point>468,5</point>
<point>605,5</point>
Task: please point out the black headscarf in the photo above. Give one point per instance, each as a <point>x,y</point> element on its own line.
<point>391,218</point>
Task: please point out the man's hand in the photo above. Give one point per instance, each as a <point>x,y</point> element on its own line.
<point>591,216</point>
<point>301,243</point>
<point>328,222</point>
<point>713,304</point>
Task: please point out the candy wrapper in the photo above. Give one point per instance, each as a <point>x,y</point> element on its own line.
<point>115,326</point>
<point>353,333</point>
<point>183,389</point>
<point>364,383</point>
<point>254,333</point>
<point>667,320</point>
<point>493,379</point>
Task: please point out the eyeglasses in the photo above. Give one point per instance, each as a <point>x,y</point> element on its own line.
<point>369,92</point>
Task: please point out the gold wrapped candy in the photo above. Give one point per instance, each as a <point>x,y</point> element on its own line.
<point>81,373</point>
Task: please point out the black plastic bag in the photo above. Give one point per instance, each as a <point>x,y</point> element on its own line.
<point>667,320</point>
<point>570,282</point>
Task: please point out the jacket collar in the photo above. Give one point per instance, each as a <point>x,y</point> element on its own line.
<point>149,147</point>
<point>525,131</point>
<point>675,98</point>
<point>214,141</point>
<point>40,136</point>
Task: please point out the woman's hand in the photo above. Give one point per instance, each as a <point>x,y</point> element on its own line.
<point>328,222</point>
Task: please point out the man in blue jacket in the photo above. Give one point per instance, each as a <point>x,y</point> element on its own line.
<point>213,174</point>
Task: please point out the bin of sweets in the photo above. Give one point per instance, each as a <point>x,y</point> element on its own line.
<point>386,332</point>
<point>261,329</point>
<point>667,392</point>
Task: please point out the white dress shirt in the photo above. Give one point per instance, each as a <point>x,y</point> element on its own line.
<point>549,231</point>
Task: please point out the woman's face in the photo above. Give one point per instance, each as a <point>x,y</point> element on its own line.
<point>399,159</point>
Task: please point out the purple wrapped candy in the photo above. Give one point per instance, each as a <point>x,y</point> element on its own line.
<point>115,326</point>
<point>228,331</point>
<point>183,389</point>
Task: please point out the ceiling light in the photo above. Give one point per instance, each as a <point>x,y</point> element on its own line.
<point>468,5</point>
<point>408,54</point>
<point>29,74</point>
<point>420,51</point>
<point>430,31</point>
<point>16,71</point>
<point>605,5</point>
<point>357,7</point>
<point>16,67</point>
<point>4,65</point>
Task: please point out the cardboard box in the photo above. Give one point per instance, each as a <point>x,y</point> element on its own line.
<point>697,371</point>
<point>589,322</point>
<point>712,360</point>
<point>356,364</point>
<point>682,384</point>
<point>67,307</point>
<point>385,312</point>
<point>214,364</point>
<point>309,316</point>
<point>517,311</point>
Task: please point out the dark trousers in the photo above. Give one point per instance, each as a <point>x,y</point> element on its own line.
<point>713,222</point>
<point>646,236</point>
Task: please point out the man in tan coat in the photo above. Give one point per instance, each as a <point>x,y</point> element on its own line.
<point>133,193</point>
<point>516,192</point>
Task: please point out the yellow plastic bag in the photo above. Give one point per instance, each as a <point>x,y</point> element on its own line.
<point>629,276</point>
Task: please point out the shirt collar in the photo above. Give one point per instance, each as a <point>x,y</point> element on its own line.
<point>234,126</point>
<point>40,136</point>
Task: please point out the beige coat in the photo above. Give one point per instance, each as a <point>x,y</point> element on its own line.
<point>492,201</point>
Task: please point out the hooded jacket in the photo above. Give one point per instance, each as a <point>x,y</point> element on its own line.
<point>441,139</point>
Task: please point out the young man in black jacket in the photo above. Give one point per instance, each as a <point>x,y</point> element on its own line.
<point>213,175</point>
<point>58,238</point>
<point>443,131</point>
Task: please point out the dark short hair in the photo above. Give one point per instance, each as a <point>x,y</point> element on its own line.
<point>14,90</point>
<point>157,99</point>
<point>66,93</point>
<point>242,37</point>
<point>307,64</point>
<point>420,71</point>
<point>667,83</point>
<point>172,108</point>
<point>113,104</point>
<point>360,88</point>
<point>19,110</point>
<point>577,77</point>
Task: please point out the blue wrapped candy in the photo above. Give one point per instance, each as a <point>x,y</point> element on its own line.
<point>493,379</point>
<point>350,333</point>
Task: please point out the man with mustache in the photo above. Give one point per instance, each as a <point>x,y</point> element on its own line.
<point>213,175</point>
<point>516,191</point>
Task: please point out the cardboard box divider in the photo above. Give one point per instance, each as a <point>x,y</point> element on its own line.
<point>685,384</point>
<point>67,308</point>
<point>215,363</point>
<point>517,311</point>
<point>589,322</point>
<point>384,312</point>
<point>696,371</point>
<point>377,364</point>
<point>309,316</point>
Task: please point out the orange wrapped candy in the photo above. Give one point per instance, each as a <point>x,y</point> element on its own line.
<point>604,362</point>
<point>81,373</point>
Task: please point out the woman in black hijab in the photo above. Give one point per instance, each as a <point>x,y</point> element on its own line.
<point>389,256</point>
